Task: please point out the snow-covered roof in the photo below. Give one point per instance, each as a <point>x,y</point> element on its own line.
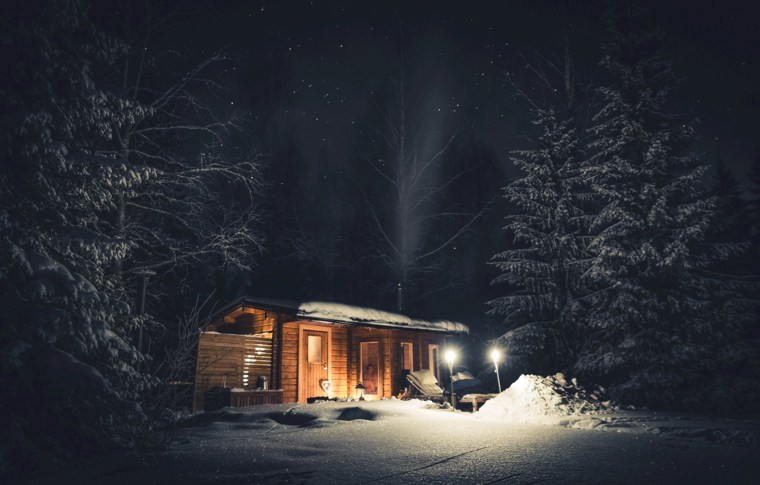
<point>342,313</point>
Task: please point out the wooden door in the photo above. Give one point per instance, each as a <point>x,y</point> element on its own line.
<point>370,369</point>
<point>313,363</point>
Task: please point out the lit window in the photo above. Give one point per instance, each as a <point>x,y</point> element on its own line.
<point>314,345</point>
<point>433,363</point>
<point>407,356</point>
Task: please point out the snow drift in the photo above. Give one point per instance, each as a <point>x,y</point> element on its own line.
<point>536,399</point>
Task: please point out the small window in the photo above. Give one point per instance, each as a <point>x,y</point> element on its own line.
<point>314,349</point>
<point>407,356</point>
<point>433,363</point>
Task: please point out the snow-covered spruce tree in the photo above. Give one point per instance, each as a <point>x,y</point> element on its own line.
<point>738,269</point>
<point>550,224</point>
<point>742,218</point>
<point>754,177</point>
<point>754,205</point>
<point>659,334</point>
<point>733,214</point>
<point>68,366</point>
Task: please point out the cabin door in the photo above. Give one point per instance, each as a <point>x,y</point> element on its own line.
<point>314,364</point>
<point>370,372</point>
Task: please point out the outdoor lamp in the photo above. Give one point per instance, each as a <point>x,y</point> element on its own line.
<point>450,356</point>
<point>359,391</point>
<point>495,354</point>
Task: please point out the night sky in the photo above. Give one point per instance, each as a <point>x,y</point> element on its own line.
<point>320,65</point>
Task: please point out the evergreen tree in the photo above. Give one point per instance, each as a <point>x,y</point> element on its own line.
<point>754,202</point>
<point>552,202</point>
<point>659,334</point>
<point>548,256</point>
<point>66,322</point>
<point>751,259</point>
<point>101,177</point>
<point>731,225</point>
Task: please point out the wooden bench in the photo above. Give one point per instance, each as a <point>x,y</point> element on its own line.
<point>239,399</point>
<point>476,400</point>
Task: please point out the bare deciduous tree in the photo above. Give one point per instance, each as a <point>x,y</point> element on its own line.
<point>199,181</point>
<point>411,215</point>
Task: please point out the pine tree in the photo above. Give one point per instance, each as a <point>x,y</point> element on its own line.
<point>658,334</point>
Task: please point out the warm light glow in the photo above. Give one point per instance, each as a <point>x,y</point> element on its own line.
<point>450,356</point>
<point>495,354</point>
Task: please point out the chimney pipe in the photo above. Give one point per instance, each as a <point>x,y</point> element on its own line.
<point>400,298</point>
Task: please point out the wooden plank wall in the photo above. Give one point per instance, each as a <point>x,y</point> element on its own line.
<point>371,334</point>
<point>338,359</point>
<point>225,351</point>
<point>339,362</point>
<point>226,357</point>
<point>420,342</point>
<point>290,362</point>
<point>245,321</point>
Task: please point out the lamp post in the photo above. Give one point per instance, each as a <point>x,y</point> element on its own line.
<point>450,356</point>
<point>495,357</point>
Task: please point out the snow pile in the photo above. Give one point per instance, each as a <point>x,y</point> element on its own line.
<point>533,399</point>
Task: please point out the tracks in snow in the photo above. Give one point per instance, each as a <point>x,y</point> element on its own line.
<point>439,462</point>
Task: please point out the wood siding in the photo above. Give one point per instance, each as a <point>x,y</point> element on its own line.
<point>245,321</point>
<point>229,359</point>
<point>313,361</point>
<point>420,346</point>
<point>289,362</point>
<point>338,363</point>
<point>370,334</point>
<point>224,353</point>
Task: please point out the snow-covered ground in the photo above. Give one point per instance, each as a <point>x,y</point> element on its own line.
<point>413,441</point>
<point>556,400</point>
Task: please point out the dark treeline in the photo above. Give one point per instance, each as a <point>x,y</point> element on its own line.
<point>616,254</point>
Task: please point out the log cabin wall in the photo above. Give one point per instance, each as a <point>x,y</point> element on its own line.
<point>421,342</point>
<point>245,321</point>
<point>426,340</point>
<point>338,360</point>
<point>282,334</point>
<point>221,351</point>
<point>370,334</point>
<point>289,362</point>
<point>277,352</point>
<point>230,360</point>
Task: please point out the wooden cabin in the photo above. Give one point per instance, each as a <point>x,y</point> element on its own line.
<point>313,349</point>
